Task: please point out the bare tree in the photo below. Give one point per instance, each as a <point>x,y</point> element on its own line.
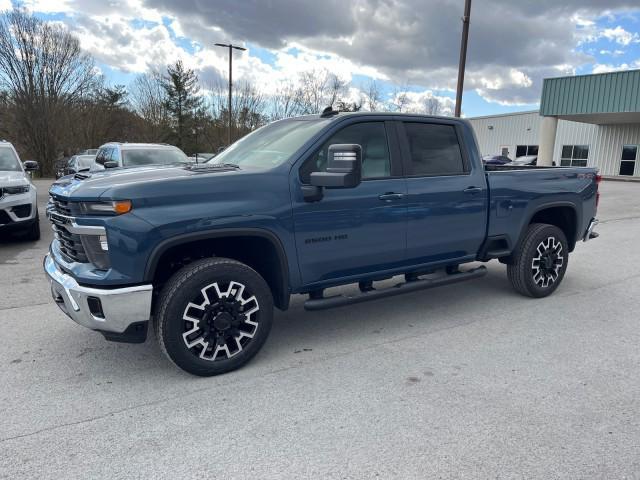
<point>148,99</point>
<point>319,89</point>
<point>399,100</point>
<point>432,106</point>
<point>43,70</point>
<point>372,97</point>
<point>249,110</point>
<point>287,101</point>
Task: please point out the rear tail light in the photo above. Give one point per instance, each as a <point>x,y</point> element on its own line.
<point>598,180</point>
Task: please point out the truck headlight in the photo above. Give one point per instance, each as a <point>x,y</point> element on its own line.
<point>17,189</point>
<point>116,207</point>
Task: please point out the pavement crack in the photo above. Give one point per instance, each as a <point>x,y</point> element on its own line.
<point>23,306</point>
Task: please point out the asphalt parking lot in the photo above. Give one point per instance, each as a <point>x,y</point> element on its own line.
<point>466,381</point>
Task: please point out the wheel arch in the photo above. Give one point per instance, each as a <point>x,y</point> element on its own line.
<point>563,215</point>
<point>236,243</point>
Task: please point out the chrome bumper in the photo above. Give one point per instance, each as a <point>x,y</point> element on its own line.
<point>119,307</point>
<point>590,234</point>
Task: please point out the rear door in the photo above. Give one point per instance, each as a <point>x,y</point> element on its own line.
<point>353,231</point>
<point>447,194</point>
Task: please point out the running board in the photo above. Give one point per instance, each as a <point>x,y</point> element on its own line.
<point>342,300</point>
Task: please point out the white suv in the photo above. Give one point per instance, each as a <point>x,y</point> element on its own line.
<point>18,207</point>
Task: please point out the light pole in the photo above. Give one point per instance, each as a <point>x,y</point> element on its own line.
<point>230,47</point>
<point>463,55</point>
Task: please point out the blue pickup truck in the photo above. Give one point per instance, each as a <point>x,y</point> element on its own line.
<point>207,251</point>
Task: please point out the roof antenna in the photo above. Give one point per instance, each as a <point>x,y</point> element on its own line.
<point>328,112</point>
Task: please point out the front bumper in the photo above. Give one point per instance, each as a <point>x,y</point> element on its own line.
<point>107,310</point>
<point>10,205</point>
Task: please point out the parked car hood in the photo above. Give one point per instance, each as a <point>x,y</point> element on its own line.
<point>12,178</point>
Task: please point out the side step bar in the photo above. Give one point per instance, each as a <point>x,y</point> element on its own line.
<point>342,300</point>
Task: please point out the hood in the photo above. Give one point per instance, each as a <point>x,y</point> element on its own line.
<point>8,178</point>
<point>91,185</point>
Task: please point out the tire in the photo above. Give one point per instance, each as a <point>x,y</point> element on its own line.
<point>218,332</point>
<point>540,262</point>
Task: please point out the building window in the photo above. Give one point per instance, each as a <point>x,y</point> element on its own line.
<point>628,159</point>
<point>522,150</point>
<point>574,155</point>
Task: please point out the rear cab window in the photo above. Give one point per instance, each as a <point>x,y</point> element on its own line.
<point>433,150</point>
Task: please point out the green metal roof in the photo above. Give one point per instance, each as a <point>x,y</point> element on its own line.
<point>598,93</point>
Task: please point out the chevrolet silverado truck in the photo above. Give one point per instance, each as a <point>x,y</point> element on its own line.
<point>205,252</point>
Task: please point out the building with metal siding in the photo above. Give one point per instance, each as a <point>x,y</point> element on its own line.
<point>590,120</point>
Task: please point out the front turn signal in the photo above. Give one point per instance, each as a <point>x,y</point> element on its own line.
<point>122,206</point>
<point>114,207</point>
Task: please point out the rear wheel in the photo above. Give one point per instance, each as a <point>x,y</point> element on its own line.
<point>214,316</point>
<point>540,262</point>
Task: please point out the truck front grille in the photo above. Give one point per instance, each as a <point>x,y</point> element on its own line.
<point>71,247</point>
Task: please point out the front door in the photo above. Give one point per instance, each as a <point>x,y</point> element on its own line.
<point>352,231</point>
<point>447,195</point>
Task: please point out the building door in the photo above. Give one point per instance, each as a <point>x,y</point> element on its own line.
<point>504,151</point>
<point>628,159</point>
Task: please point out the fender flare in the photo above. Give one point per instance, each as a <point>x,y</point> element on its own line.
<point>546,206</point>
<point>165,245</point>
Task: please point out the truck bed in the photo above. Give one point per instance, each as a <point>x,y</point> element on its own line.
<point>516,193</point>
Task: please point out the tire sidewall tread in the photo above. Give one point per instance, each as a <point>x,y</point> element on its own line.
<point>519,272</point>
<point>170,300</point>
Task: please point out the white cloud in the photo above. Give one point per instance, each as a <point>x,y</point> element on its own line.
<point>5,5</point>
<point>612,53</point>
<point>413,43</point>
<point>604,68</point>
<point>620,35</point>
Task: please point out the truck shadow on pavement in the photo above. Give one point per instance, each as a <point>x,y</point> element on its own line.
<point>298,336</point>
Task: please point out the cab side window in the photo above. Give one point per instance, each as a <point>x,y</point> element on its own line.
<point>371,136</point>
<point>434,149</point>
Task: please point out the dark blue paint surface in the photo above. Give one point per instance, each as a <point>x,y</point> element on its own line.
<point>350,234</point>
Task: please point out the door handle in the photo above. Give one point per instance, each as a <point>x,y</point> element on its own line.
<point>472,190</point>
<point>389,196</point>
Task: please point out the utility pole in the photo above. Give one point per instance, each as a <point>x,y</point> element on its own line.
<point>463,55</point>
<point>231,48</point>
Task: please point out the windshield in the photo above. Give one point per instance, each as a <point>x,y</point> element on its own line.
<point>153,156</point>
<point>9,160</point>
<point>86,161</point>
<point>270,145</point>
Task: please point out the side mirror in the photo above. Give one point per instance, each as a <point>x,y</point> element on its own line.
<point>110,164</point>
<point>30,165</point>
<point>344,167</point>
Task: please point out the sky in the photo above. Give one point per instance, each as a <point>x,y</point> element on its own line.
<point>404,45</point>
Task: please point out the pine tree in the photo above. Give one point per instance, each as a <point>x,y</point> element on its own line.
<point>183,101</point>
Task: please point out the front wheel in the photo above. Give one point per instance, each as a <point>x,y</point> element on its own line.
<point>214,316</point>
<point>540,262</point>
